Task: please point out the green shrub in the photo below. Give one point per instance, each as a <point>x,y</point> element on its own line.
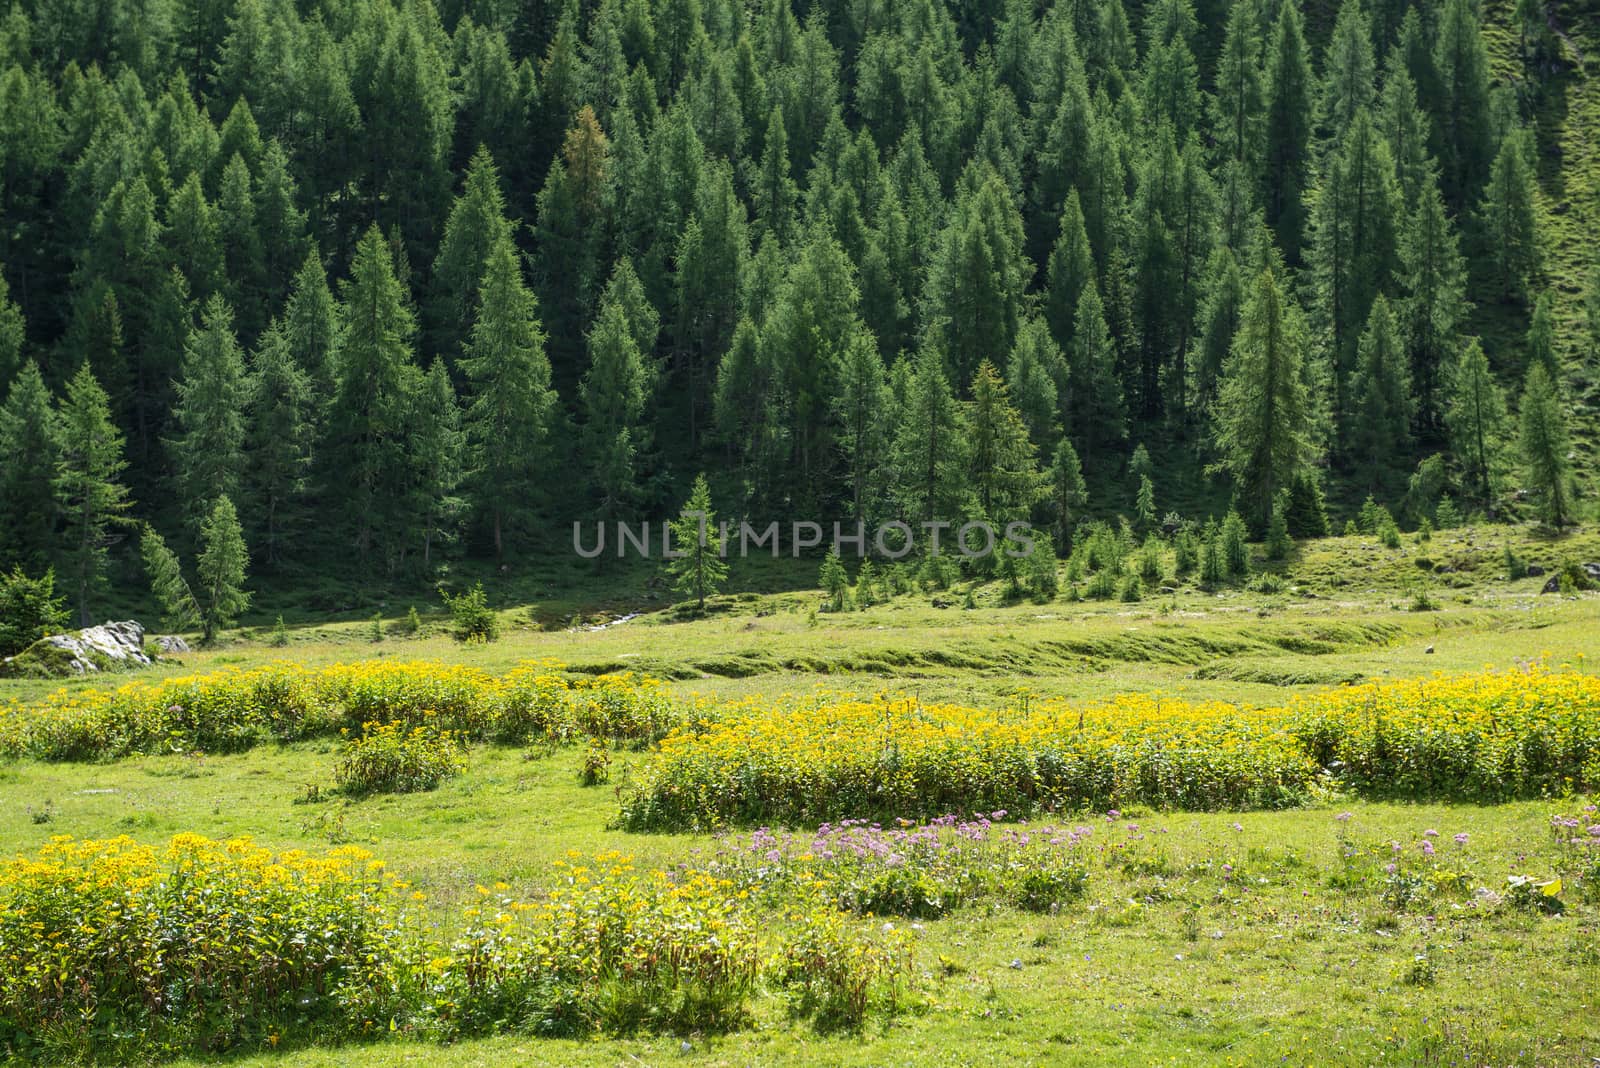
<point>474,620</point>
<point>29,610</point>
<point>390,759</point>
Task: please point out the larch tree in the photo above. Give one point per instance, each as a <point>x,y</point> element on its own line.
<point>699,569</point>
<point>30,428</point>
<point>613,395</point>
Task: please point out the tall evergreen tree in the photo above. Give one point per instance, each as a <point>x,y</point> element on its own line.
<point>477,224</point>
<point>221,568</point>
<point>1290,90</point>
<point>1263,413</point>
<point>375,378</point>
<point>863,439</point>
<point>278,441</point>
<point>30,433</point>
<point>930,445</point>
<point>1003,461</point>
<point>1461,111</point>
<point>1380,437</point>
<point>88,486</point>
<point>1545,444</point>
<point>1433,276</point>
<point>435,444</point>
<point>1541,343</point>
<point>1096,404</point>
<point>208,450</point>
<point>613,394</point>
<point>1071,267</point>
<point>510,407</point>
<point>1474,417</point>
<point>1510,231</point>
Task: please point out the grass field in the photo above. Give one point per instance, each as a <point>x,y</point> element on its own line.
<point>1243,938</point>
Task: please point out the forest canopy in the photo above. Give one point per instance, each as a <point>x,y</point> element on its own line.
<point>402,281</point>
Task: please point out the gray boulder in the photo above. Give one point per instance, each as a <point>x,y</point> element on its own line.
<point>170,644</point>
<point>107,647</point>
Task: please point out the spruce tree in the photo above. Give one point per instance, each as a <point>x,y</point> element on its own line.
<point>436,444</point>
<point>1433,276</point>
<point>613,395</point>
<point>1036,375</point>
<point>1545,443</point>
<point>863,438</point>
<point>1002,460</point>
<point>1263,413</point>
<point>1541,343</point>
<point>88,489</point>
<point>278,440</point>
<point>221,570</point>
<point>208,451</point>
<point>30,432</point>
<point>311,326</point>
<point>930,445</point>
<point>476,227</point>
<point>1507,218</point>
<point>1475,415</point>
<point>1461,111</point>
<point>375,378</point>
<point>1068,493</point>
<point>1096,394</point>
<point>1380,435</point>
<point>510,407</point>
<point>698,570</point>
<point>1290,90</point>
<point>1071,267</point>
<point>1239,107</point>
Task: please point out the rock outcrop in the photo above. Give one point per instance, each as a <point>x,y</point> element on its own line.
<point>107,647</point>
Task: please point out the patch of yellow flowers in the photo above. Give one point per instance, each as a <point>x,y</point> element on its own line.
<point>232,710</point>
<point>122,951</point>
<point>1480,736</point>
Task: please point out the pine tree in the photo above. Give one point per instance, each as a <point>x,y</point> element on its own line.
<point>221,570</point>
<point>1545,444</point>
<point>31,429</point>
<point>208,452</point>
<point>179,609</point>
<point>1349,70</point>
<point>278,437</point>
<point>243,257</point>
<point>511,407</point>
<point>1144,508</point>
<point>1474,417</point>
<point>1218,322</point>
<point>1507,217</point>
<point>88,491</point>
<point>613,395</point>
<point>1541,343</point>
<point>1263,413</point>
<point>1380,437</point>
<point>1002,460</point>
<point>375,378</point>
<point>699,570</point>
<point>1355,255</point>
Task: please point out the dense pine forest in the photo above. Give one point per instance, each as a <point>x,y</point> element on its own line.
<point>375,285</point>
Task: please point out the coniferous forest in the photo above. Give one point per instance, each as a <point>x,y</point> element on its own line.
<point>389,283</point>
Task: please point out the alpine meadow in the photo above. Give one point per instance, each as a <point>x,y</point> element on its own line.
<point>799,532</point>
